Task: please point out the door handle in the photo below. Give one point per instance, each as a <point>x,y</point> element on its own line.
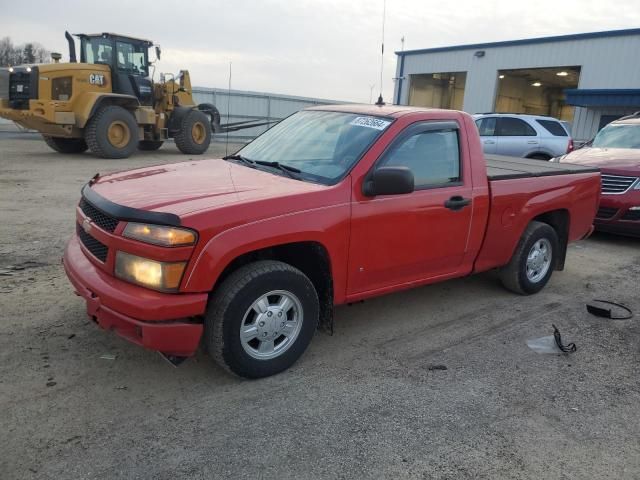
<point>457,203</point>
<point>532,142</point>
<point>489,142</point>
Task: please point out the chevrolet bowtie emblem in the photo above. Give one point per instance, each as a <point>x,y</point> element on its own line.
<point>86,225</point>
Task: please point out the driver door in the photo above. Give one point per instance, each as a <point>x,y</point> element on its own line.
<point>402,239</point>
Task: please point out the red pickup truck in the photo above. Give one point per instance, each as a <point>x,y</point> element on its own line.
<point>248,254</point>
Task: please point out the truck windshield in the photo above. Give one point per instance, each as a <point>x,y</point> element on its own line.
<point>323,146</point>
<point>618,136</point>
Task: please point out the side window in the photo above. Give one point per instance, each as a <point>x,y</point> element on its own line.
<point>486,126</point>
<point>131,58</point>
<point>514,127</point>
<point>432,156</point>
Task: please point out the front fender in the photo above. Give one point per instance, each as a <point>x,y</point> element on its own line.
<point>327,226</point>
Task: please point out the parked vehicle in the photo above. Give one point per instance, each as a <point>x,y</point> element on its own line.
<point>528,136</point>
<point>616,151</point>
<point>332,205</point>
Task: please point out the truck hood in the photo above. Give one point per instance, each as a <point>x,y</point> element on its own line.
<point>183,188</point>
<point>621,161</point>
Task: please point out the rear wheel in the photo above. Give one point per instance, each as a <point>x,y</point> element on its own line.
<point>66,145</point>
<point>149,145</point>
<point>194,136</point>
<point>534,260</point>
<point>112,133</point>
<point>261,319</point>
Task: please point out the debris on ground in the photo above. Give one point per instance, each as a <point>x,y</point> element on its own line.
<point>603,308</point>
<point>108,356</point>
<point>437,367</point>
<point>551,344</point>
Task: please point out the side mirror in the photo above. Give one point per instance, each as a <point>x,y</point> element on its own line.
<point>158,52</point>
<point>389,181</point>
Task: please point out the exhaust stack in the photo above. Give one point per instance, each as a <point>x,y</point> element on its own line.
<point>72,48</point>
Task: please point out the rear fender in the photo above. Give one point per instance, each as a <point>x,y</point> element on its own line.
<point>508,222</point>
<point>90,102</point>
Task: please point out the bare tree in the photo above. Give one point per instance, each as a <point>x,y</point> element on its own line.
<point>30,52</point>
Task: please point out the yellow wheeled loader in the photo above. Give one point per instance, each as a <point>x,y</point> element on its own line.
<point>107,102</point>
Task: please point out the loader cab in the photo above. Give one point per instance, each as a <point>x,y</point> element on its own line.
<point>128,59</point>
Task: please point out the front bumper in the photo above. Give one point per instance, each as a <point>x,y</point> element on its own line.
<point>157,321</point>
<point>614,214</point>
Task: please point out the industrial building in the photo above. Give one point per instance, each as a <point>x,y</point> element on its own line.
<point>585,79</point>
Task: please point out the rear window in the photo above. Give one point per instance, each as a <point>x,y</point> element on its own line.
<point>554,128</point>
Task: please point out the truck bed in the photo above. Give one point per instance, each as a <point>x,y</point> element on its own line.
<point>505,168</point>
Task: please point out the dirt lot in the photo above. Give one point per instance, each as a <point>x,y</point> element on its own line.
<point>365,403</point>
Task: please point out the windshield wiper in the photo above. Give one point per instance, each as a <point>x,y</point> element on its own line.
<point>247,161</point>
<point>291,172</point>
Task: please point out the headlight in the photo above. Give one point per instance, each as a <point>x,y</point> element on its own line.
<point>637,187</point>
<point>159,235</point>
<point>148,273</point>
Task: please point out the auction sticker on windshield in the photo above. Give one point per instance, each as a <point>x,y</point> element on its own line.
<point>370,122</point>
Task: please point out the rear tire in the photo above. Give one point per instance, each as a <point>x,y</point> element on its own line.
<point>275,305</point>
<point>194,136</point>
<point>534,260</point>
<point>539,156</point>
<point>149,145</point>
<point>66,145</point>
<point>112,132</point>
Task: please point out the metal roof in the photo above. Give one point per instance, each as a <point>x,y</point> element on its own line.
<point>603,97</point>
<point>526,41</point>
<point>113,35</point>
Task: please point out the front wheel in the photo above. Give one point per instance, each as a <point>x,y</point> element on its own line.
<point>261,319</point>
<point>534,260</point>
<point>194,136</point>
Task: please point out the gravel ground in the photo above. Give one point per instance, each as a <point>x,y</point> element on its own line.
<point>373,401</point>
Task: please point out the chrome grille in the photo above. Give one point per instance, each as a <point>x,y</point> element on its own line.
<point>616,183</point>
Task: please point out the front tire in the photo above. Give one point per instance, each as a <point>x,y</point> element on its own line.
<point>194,136</point>
<point>66,145</point>
<point>112,133</point>
<point>261,319</point>
<point>534,260</point>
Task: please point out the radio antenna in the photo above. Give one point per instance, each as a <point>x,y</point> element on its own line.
<point>226,145</point>
<point>384,16</point>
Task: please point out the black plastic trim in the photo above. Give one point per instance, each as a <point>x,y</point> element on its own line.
<point>129,214</point>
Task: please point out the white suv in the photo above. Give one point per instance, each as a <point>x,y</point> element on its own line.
<point>530,136</point>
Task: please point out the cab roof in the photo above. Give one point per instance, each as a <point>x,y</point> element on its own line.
<point>374,110</point>
<point>113,35</point>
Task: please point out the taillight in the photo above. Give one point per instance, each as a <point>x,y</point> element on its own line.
<point>570,146</point>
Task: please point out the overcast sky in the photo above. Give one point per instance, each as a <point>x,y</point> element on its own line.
<point>315,48</point>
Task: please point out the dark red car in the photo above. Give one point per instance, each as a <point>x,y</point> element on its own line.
<point>616,152</point>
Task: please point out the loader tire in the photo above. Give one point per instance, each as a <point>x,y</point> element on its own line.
<point>194,136</point>
<point>66,145</point>
<point>149,145</point>
<point>112,133</point>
